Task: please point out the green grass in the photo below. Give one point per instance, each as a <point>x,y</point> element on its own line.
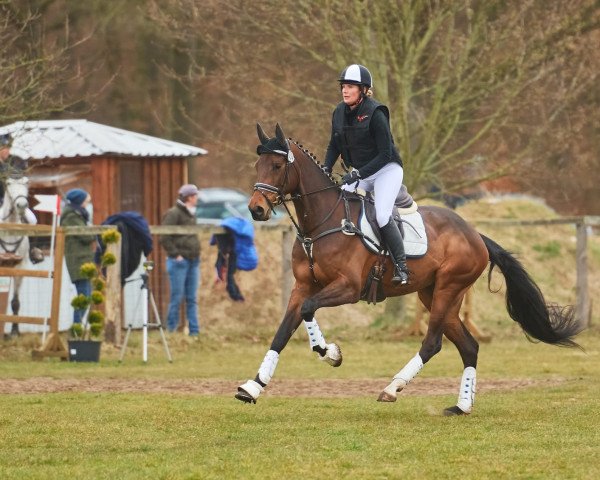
<point>544,431</point>
<point>539,432</point>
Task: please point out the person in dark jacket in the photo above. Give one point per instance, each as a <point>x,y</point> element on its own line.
<point>183,260</point>
<point>361,135</point>
<point>78,248</point>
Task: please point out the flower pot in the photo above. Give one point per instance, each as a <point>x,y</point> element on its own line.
<point>84,350</point>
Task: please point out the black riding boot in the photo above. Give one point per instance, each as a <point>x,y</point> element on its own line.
<point>393,240</point>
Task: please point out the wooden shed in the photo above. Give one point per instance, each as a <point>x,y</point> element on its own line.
<point>122,170</point>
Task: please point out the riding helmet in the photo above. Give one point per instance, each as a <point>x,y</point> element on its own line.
<point>5,139</point>
<point>357,75</point>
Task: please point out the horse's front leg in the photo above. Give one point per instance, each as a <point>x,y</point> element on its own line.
<point>328,352</point>
<point>339,292</point>
<point>300,307</point>
<point>250,391</point>
<point>15,306</point>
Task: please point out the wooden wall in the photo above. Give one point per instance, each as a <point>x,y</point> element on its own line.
<point>107,176</point>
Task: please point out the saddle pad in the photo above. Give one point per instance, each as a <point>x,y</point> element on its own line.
<point>415,236</point>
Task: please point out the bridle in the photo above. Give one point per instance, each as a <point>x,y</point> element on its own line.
<point>281,198</point>
<point>6,245</point>
<point>12,200</point>
<point>347,227</point>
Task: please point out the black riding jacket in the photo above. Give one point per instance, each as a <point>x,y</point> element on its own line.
<point>362,137</point>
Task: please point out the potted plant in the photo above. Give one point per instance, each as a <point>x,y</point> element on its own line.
<point>85,342</point>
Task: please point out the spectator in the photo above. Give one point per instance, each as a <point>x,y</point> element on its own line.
<point>78,248</point>
<point>183,260</point>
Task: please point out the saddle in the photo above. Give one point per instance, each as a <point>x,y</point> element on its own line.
<point>405,214</point>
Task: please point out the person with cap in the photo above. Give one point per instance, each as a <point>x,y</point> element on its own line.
<point>361,134</point>
<point>78,248</point>
<point>183,260</point>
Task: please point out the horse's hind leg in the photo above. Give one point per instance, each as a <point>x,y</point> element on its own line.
<point>444,305</point>
<point>413,367</point>
<point>468,348</point>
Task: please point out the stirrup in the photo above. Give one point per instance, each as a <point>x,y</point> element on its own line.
<point>400,277</point>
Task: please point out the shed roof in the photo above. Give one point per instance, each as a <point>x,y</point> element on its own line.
<point>41,139</point>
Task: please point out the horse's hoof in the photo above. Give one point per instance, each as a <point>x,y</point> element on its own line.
<point>333,355</point>
<point>454,411</point>
<point>386,397</point>
<point>244,396</point>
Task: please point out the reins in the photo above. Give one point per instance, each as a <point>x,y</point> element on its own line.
<point>307,242</point>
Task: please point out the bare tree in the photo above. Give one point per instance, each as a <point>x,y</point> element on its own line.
<point>456,75</point>
<point>32,69</point>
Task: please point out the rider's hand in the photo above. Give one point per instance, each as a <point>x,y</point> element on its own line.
<point>351,177</point>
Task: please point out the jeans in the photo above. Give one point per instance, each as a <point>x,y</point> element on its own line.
<point>82,286</point>
<point>184,277</point>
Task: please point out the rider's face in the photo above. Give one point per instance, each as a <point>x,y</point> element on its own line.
<point>350,93</point>
<point>4,153</point>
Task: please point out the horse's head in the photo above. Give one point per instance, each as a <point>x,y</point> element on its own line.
<point>274,180</point>
<point>15,195</point>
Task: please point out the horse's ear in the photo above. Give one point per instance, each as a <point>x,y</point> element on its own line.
<point>280,136</point>
<point>262,136</point>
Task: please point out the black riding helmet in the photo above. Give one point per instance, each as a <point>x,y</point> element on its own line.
<point>357,75</point>
<point>5,139</point>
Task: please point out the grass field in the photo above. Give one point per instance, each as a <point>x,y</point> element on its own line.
<point>537,413</point>
<point>549,430</point>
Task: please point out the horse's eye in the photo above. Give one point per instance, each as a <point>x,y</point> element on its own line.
<point>277,166</point>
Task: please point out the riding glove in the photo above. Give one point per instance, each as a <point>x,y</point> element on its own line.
<point>351,177</point>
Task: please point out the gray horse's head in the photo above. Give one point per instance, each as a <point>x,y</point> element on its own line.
<point>16,191</point>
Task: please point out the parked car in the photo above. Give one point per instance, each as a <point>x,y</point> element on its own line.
<point>215,204</point>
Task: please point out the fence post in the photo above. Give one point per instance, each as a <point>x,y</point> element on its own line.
<point>583,300</point>
<point>287,278</point>
<point>54,346</point>
<point>114,316</point>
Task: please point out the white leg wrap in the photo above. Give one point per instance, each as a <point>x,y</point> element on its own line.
<point>267,367</point>
<point>404,376</point>
<point>466,395</point>
<point>253,388</point>
<point>315,337</point>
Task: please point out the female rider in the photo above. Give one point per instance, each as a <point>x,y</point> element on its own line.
<point>361,134</point>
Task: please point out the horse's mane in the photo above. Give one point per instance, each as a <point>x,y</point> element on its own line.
<point>313,157</point>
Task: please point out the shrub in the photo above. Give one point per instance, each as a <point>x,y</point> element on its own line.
<point>94,320</point>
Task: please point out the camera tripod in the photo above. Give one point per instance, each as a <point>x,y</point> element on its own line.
<point>147,297</point>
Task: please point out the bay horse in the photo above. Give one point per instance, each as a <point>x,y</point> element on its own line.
<point>15,248</point>
<point>331,267</point>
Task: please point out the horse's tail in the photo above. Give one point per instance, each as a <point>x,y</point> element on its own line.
<point>526,305</point>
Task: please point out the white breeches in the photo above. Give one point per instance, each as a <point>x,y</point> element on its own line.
<point>385,184</point>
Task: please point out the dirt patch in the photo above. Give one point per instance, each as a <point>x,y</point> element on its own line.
<point>278,388</point>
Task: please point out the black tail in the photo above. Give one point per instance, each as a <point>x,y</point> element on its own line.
<point>526,305</point>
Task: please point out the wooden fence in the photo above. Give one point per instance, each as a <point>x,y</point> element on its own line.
<point>582,224</point>
<point>113,299</point>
